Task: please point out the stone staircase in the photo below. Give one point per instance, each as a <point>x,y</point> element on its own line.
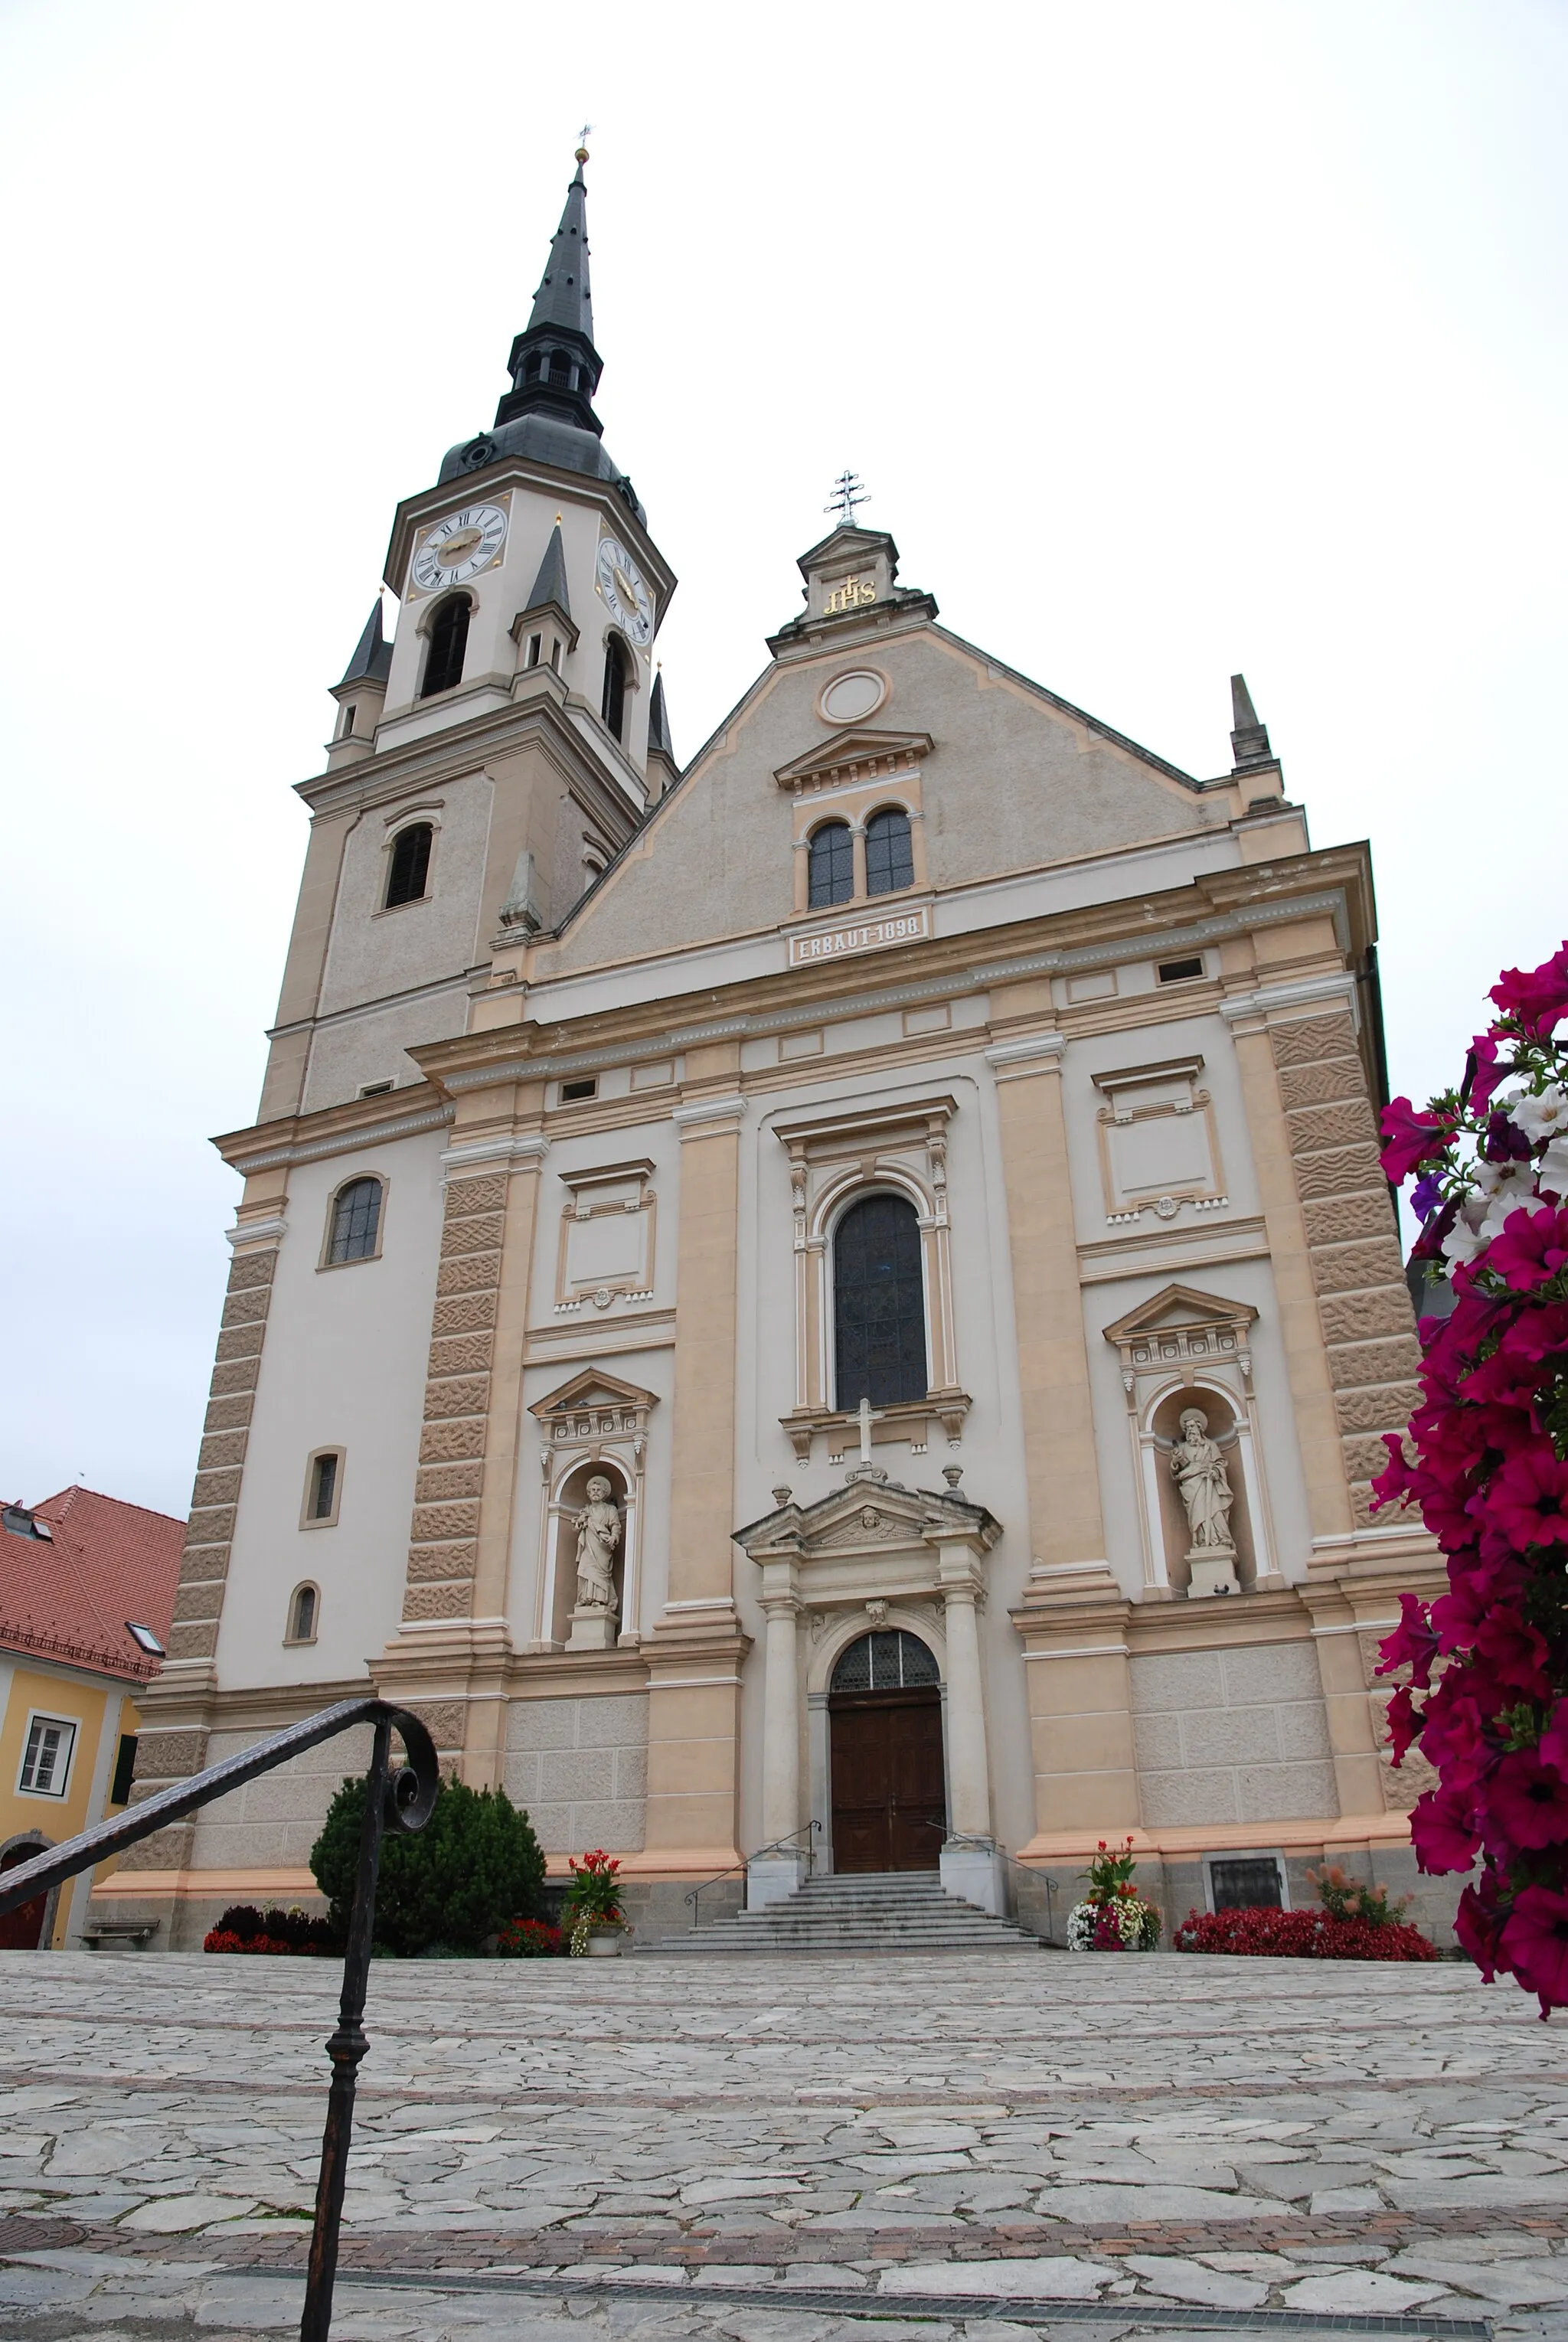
<point>880,1912</point>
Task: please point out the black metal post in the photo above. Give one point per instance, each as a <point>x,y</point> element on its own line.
<point>345,2048</point>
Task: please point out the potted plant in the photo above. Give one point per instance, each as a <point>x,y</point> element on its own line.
<point>1113,1916</point>
<point>592,1910</point>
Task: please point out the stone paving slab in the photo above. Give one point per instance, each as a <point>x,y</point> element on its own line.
<point>783,2151</point>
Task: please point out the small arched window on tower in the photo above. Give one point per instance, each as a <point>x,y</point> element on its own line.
<point>832,864</point>
<point>408,865</point>
<point>448,643</point>
<point>879,1305</point>
<point>303,1607</point>
<point>355,1230</point>
<point>612,706</point>
<point>889,856</point>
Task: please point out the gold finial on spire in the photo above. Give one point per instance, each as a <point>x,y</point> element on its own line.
<point>583,136</point>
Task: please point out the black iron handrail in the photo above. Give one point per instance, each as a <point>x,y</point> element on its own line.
<point>738,1869</point>
<point>400,1800</point>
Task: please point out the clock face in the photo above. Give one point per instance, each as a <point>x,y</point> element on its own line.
<point>459,547</point>
<point>626,596</point>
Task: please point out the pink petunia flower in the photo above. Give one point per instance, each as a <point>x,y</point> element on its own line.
<point>1531,1246</point>
<point>1527,1500</point>
<point>1535,1939</point>
<point>1413,1643</point>
<point>1488,1073</point>
<point>1525,1803</point>
<point>1444,1830</point>
<point>1514,1651</point>
<point>1410,1138</point>
<point>1478,1924</point>
<point>1535,997</point>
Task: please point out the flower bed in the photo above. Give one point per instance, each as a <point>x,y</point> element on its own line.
<point>244,1928</point>
<point>1113,1916</point>
<point>529,1939</point>
<point>1262,1932</point>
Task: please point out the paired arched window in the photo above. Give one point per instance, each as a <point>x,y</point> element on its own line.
<point>879,1305</point>
<point>613,705</point>
<point>888,1661</point>
<point>408,865</point>
<point>889,856</point>
<point>355,1233</point>
<point>448,642</point>
<point>304,1609</point>
<point>832,864</point>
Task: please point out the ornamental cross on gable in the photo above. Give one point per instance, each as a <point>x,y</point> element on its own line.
<point>868,1416</point>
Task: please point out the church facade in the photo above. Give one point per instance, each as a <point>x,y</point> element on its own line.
<point>835,1305</point>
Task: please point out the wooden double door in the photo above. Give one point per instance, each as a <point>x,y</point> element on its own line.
<point>889,1782</point>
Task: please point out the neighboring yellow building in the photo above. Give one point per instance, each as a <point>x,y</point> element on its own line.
<point>87,1598</point>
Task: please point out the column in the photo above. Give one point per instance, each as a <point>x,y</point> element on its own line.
<point>857,858</point>
<point>970,1864</point>
<point>771,1875</point>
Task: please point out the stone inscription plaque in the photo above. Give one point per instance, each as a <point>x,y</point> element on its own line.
<point>862,936</point>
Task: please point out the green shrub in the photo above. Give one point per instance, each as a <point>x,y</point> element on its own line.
<point>475,1866</point>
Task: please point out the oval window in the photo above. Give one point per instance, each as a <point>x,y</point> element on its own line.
<point>851,698</point>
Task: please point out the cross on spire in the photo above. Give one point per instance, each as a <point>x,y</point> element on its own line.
<point>847,493</point>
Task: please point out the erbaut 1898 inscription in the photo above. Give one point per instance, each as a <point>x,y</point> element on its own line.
<point>866,934</point>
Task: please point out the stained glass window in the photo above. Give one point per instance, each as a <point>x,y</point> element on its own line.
<point>355,1221</point>
<point>879,1305</point>
<point>889,856</point>
<point>832,864</point>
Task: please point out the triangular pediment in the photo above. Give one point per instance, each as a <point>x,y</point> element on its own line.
<point>592,1392</point>
<point>1179,1308</point>
<point>867,1512</point>
<point>857,754</point>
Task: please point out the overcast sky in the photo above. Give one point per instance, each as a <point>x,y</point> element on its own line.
<point>1169,340</point>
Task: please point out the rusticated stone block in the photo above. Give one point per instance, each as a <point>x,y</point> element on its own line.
<point>481,1234</point>
<point>437,1601</point>
<point>232,1375</point>
<point>210,1524</point>
<point>470,1273</point>
<point>165,1756</point>
<point>203,1601</point>
<point>1314,1128</point>
<point>1362,1317</point>
<point>167,1849</point>
<point>221,1447</point>
<point>1364,1459</point>
<point>463,1312</point>
<point>1351,1363</point>
<point>1342,1217</point>
<point>205,1564</point>
<point>466,1196</point>
<point>1387,1406</point>
<point>1338,1171</point>
<point>442,1719</point>
<point>1309,1037</point>
<point>447,1561</point>
<point>462,1394</point>
<point>196,1640</point>
<point>216,1488</point>
<point>247,1308</point>
<point>442,1484</point>
<point>230,1414</point>
<point>441,1521</point>
<point>1324,1085</point>
<point>461,1354</point>
<point>250,1270</point>
<point>242,1341</point>
<point>1361,1506</point>
<point>446,1443</point>
<point>1354,1268</point>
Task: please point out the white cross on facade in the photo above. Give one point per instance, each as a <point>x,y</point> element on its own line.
<point>868,1416</point>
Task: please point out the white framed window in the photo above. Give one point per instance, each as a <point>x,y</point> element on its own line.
<point>304,1611</point>
<point>46,1758</point>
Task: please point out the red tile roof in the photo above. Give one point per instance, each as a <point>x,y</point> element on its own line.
<point>69,1596</point>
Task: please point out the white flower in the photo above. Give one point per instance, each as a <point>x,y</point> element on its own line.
<point>1552,1168</point>
<point>1546,1117</point>
<point>1464,1242</point>
<point>1515,1180</point>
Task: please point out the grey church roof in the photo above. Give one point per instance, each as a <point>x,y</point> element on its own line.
<point>563,299</point>
<point>550,586</point>
<point>371,660</point>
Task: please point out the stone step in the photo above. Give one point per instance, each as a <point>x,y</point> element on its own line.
<point>891,1913</point>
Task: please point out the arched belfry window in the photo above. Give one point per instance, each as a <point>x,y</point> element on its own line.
<point>832,864</point>
<point>889,856</point>
<point>408,865</point>
<point>612,706</point>
<point>879,1305</point>
<point>448,643</point>
<point>890,1660</point>
<point>355,1222</point>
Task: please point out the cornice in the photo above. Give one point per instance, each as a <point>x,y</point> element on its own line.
<point>333,1133</point>
<point>451,754</point>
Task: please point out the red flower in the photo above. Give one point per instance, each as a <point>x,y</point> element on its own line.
<point>1410,1138</point>
<point>1525,1803</point>
<point>1527,1500</point>
<point>1535,1938</point>
<point>1413,1643</point>
<point>1535,997</point>
<point>1444,1831</point>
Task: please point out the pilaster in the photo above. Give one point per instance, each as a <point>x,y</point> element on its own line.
<point>1073,1621</point>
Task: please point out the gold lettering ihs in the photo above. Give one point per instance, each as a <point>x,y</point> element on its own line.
<point>852,596</point>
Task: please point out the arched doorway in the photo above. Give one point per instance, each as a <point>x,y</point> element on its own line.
<point>889,1781</point>
<point>21,1930</point>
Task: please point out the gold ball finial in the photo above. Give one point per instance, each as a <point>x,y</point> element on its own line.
<point>582,154</point>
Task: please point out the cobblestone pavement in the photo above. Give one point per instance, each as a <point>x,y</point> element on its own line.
<point>782,2150</point>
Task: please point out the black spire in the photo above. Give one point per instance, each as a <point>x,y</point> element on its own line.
<point>371,660</point>
<point>1249,739</point>
<point>554,365</point>
<point>550,586</point>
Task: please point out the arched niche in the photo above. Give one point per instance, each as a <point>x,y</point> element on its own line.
<point>1224,1427</point>
<point>567,1500</point>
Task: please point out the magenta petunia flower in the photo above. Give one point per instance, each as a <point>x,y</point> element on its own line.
<point>1535,997</point>
<point>1444,1830</point>
<point>1410,1138</point>
<point>1488,1072</point>
<point>1535,1939</point>
<point>1524,1803</point>
<point>1514,1651</point>
<point>1478,1924</point>
<point>1527,1500</point>
<point>1531,1246</point>
<point>1413,1643</point>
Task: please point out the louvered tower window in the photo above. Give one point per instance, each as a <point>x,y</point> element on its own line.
<point>879,1305</point>
<point>448,642</point>
<point>612,706</point>
<point>409,864</point>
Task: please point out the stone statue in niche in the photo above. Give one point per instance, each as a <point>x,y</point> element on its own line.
<point>598,1528</point>
<point>1199,1471</point>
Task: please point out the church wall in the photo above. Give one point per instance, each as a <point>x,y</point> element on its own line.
<point>374,952</point>
<point>343,1365</point>
<point>372,1045</point>
<point>581,1768</point>
<point>271,1823</point>
<point>1236,1735</point>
